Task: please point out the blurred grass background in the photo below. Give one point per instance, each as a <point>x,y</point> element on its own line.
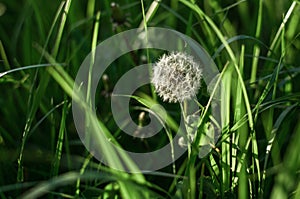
<point>255,45</point>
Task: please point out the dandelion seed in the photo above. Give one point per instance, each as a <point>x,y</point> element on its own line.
<point>176,77</point>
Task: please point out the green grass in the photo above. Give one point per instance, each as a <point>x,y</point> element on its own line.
<point>256,47</point>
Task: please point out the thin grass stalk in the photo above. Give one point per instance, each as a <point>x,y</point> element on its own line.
<point>60,140</point>
<point>92,60</point>
<point>81,172</point>
<point>61,28</point>
<point>256,49</point>
<point>144,26</point>
<point>4,57</point>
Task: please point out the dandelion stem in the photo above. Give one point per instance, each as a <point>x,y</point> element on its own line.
<point>184,106</point>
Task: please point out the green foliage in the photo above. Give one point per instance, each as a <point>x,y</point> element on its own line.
<point>255,45</point>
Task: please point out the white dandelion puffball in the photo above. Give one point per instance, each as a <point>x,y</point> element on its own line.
<point>176,77</point>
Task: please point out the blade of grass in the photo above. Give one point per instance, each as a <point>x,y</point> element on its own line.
<point>90,8</point>
<point>4,57</point>
<point>225,118</point>
<point>44,117</point>
<point>57,42</point>
<point>60,139</point>
<point>268,122</point>
<point>81,172</point>
<point>93,51</point>
<point>278,33</point>
<point>144,22</point>
<point>243,191</point>
<point>143,25</point>
<point>240,138</point>
<point>256,49</point>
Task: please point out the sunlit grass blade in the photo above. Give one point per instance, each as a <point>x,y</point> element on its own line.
<point>239,138</point>
<point>225,118</point>
<point>90,8</point>
<point>81,172</point>
<point>93,52</point>
<point>256,49</point>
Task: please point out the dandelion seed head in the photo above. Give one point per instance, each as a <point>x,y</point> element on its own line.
<point>176,77</point>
